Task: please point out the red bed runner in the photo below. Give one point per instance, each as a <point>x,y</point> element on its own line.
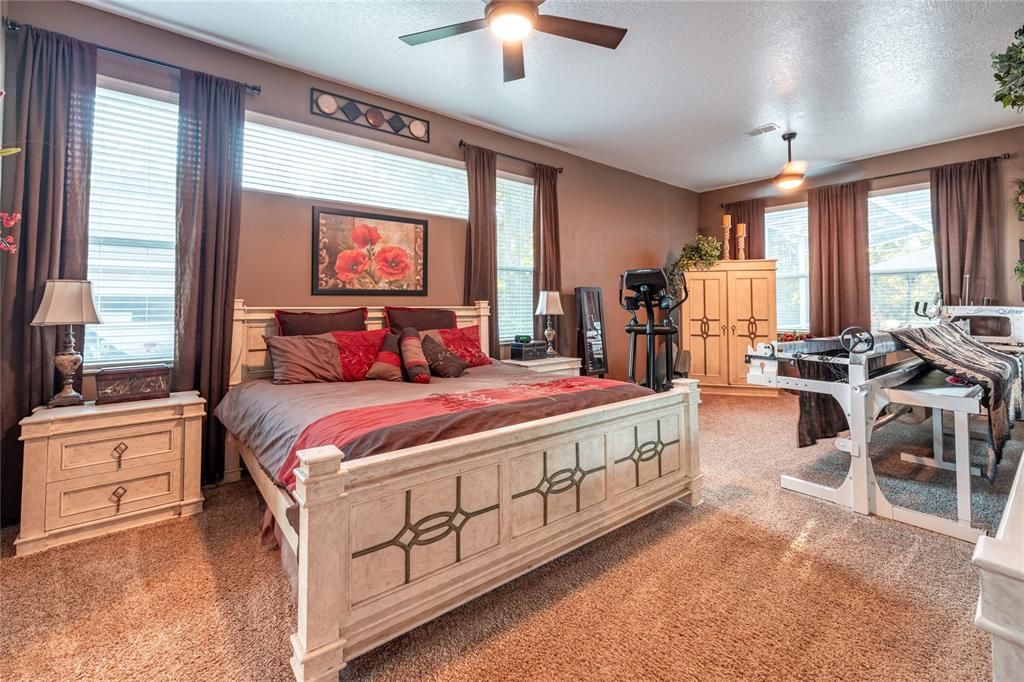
<point>366,431</point>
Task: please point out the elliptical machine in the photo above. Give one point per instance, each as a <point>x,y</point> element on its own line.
<point>650,291</point>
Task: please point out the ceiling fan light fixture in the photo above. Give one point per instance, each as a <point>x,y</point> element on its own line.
<point>791,175</point>
<point>511,21</point>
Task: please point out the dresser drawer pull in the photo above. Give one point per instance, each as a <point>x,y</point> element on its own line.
<point>118,493</point>
<point>118,453</point>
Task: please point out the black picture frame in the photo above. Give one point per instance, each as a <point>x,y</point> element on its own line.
<point>592,346</point>
<point>325,250</point>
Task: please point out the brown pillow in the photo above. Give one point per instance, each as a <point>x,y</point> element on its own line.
<point>307,324</point>
<point>443,362</point>
<point>337,356</point>
<point>388,365</point>
<point>399,318</point>
<point>415,363</point>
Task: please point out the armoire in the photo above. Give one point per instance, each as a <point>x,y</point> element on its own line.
<point>731,306</point>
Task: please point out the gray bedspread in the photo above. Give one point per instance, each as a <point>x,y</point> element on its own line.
<point>269,418</point>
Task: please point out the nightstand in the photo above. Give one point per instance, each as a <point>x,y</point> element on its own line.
<point>554,367</point>
<point>94,469</point>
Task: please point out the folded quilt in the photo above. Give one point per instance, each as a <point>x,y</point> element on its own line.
<point>947,347</point>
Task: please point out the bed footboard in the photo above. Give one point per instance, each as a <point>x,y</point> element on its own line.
<point>390,542</point>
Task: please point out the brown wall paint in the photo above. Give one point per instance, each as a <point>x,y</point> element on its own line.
<point>991,144</point>
<point>611,220</point>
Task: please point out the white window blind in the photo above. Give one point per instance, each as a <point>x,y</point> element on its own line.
<point>132,205</point>
<point>515,259</point>
<point>785,236</point>
<point>901,250</point>
<point>285,161</point>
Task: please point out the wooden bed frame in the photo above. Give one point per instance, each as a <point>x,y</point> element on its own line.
<point>389,542</point>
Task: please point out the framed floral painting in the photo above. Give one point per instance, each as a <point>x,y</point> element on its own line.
<point>368,254</point>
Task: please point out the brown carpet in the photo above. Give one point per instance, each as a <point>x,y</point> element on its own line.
<point>757,583</point>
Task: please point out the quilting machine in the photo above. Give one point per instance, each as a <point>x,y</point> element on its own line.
<point>869,372</point>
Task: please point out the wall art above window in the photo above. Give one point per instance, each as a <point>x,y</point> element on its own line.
<point>368,254</point>
<point>356,112</point>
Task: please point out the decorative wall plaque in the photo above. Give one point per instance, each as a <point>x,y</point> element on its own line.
<point>356,112</point>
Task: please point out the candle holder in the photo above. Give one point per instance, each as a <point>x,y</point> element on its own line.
<point>726,236</point>
<point>741,247</point>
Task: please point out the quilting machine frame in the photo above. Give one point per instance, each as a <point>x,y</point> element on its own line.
<point>863,395</point>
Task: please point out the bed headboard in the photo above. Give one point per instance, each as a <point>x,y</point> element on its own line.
<point>249,356</point>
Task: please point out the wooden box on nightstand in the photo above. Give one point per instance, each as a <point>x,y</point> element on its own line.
<point>553,367</point>
<point>94,469</point>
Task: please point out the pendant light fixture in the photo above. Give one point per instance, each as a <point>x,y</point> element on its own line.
<point>791,176</point>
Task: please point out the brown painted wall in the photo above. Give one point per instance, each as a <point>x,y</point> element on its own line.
<point>992,144</point>
<point>611,220</point>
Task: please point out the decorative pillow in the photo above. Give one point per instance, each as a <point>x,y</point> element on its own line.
<point>443,362</point>
<point>463,342</point>
<point>307,324</point>
<point>337,356</point>
<point>415,363</point>
<point>388,365</point>
<point>398,318</point>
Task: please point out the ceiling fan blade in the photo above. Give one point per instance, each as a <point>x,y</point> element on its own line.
<point>443,32</point>
<point>583,31</point>
<point>512,61</point>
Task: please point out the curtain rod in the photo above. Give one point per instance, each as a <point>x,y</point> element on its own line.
<point>463,144</point>
<point>13,25</point>
<point>921,170</point>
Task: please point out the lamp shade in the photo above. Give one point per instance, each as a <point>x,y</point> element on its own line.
<point>66,301</point>
<point>549,303</point>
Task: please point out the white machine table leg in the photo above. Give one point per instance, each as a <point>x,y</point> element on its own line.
<point>963,468</point>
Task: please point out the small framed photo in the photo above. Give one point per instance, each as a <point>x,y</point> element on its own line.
<point>368,254</point>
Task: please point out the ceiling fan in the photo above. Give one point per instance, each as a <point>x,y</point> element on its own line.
<point>511,21</point>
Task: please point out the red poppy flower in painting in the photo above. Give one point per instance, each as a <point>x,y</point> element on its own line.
<point>392,262</point>
<point>365,235</point>
<point>350,264</point>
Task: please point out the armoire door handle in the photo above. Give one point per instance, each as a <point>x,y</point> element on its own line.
<point>733,329</point>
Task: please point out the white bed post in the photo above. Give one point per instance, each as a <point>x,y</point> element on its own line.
<point>483,315</point>
<point>323,558</point>
<point>691,439</point>
<point>232,461</point>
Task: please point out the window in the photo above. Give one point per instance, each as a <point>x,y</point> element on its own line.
<point>785,236</point>
<point>284,161</point>
<point>132,226</point>
<point>516,298</point>
<point>901,251</point>
<point>281,159</point>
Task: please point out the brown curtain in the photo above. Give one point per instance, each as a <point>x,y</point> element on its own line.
<point>49,114</point>
<point>965,219</point>
<point>750,212</point>
<point>482,234</point>
<point>838,241</point>
<point>547,264</point>
<point>211,120</point>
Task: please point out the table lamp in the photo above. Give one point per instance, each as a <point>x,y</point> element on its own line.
<point>66,302</point>
<point>549,303</point>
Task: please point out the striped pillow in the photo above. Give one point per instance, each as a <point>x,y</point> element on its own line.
<point>388,365</point>
<point>415,363</point>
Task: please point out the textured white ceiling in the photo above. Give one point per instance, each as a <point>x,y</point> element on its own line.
<point>855,79</point>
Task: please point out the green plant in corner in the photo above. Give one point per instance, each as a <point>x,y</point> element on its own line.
<point>701,253</point>
<point>1018,200</point>
<point>1018,272</point>
<point>1009,73</point>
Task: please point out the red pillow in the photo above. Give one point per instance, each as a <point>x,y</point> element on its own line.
<point>413,359</point>
<point>398,318</point>
<point>337,356</point>
<point>463,342</point>
<point>307,324</point>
